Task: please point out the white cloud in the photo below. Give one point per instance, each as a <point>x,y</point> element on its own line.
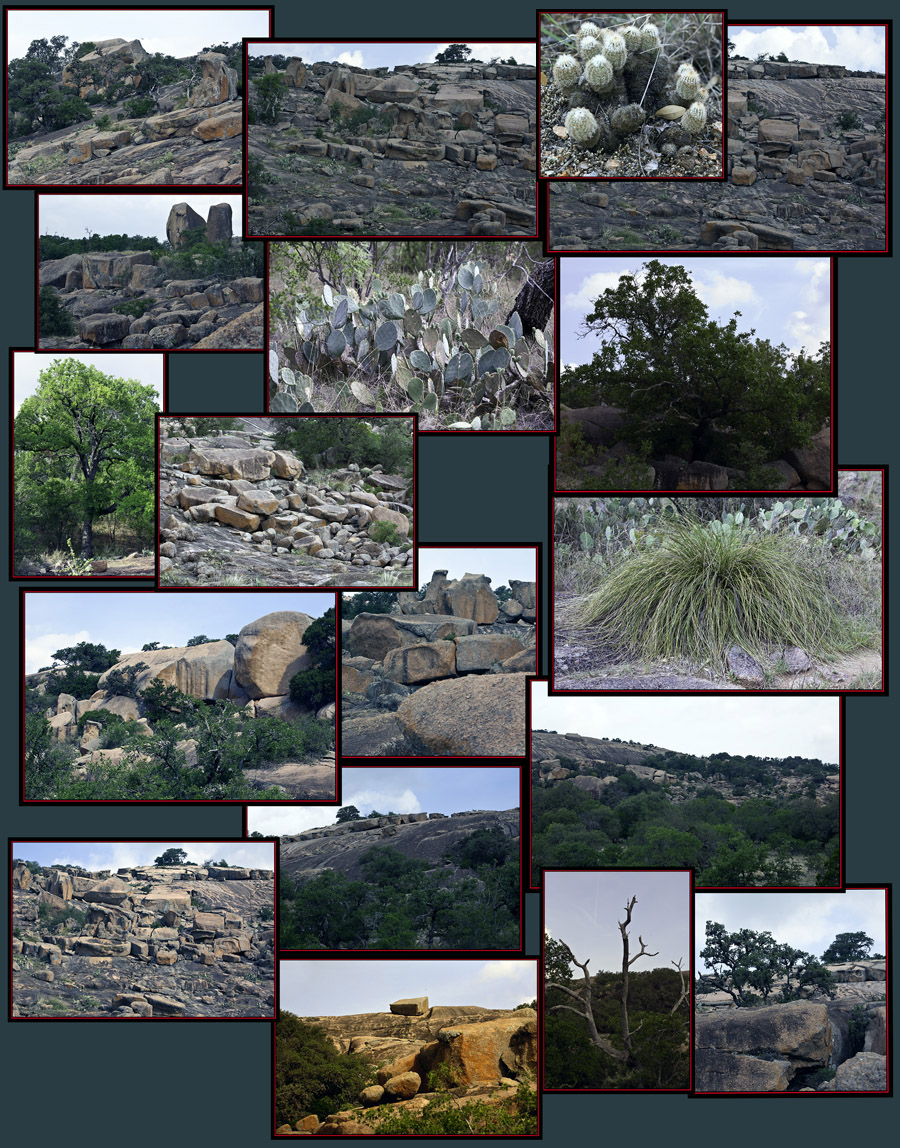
<point>500,970</point>
<point>806,331</point>
<point>271,821</point>
<point>855,48</point>
<point>724,290</point>
<point>354,59</point>
<point>385,801</point>
<point>39,651</point>
<point>817,287</point>
<point>591,289</point>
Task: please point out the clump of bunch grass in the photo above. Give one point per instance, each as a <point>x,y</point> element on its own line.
<point>700,588</point>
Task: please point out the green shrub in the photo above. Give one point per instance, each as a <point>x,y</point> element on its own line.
<point>310,1074</point>
<point>847,121</point>
<point>53,318</point>
<point>139,106</point>
<point>54,919</point>
<point>104,123</point>
<point>384,532</point>
<point>313,687</point>
<point>134,307</point>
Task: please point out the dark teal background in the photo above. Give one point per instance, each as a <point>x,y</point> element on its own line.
<point>209,1083</point>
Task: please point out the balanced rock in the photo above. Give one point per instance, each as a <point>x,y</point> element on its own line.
<point>410,1006</point>
<point>182,218</point>
<point>270,651</point>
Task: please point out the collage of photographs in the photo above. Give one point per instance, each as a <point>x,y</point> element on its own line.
<point>547,358</point>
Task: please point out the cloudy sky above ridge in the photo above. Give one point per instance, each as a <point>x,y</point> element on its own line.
<point>859,48</point>
<point>96,856</point>
<point>390,55</point>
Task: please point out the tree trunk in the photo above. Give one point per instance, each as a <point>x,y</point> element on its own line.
<point>535,301</point>
<point>87,538</point>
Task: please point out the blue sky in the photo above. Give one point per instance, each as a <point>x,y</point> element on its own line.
<point>764,726</point>
<point>582,909</point>
<point>784,300</point>
<point>446,789</point>
<point>390,55</point>
<point>187,33</point>
<point>27,366</point>
<point>336,988</point>
<point>125,620</point>
<point>808,921</point>
<point>858,48</point>
<point>96,856</point>
<point>74,216</point>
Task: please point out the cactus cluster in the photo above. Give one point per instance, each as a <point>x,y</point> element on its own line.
<point>396,343</point>
<point>618,77</point>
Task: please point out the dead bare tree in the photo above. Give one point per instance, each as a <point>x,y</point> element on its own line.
<point>583,995</point>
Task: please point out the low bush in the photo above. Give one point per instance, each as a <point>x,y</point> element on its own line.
<point>53,318</point>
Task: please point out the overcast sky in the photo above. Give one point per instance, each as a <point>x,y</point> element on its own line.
<point>583,909</point>
<point>786,301</point>
<point>445,789</point>
<point>808,921</point>
<point>27,365</point>
<point>98,855</point>
<point>858,48</point>
<point>389,55</point>
<point>127,620</point>
<point>342,988</point>
<point>184,32</point>
<point>76,216</point>
<point>763,726</point>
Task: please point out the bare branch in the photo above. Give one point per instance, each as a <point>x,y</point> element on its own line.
<point>684,987</point>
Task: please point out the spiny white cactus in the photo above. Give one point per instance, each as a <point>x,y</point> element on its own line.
<point>632,37</point>
<point>694,119</point>
<point>687,83</point>
<point>598,74</point>
<point>582,127</point>
<point>615,51</point>
<point>650,37</point>
<point>566,72</point>
<point>589,47</point>
<point>586,29</point>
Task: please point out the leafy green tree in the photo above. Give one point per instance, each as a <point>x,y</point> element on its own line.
<point>269,92</point>
<point>171,857</point>
<point>454,54</point>
<point>90,656</point>
<point>848,947</point>
<point>53,318</point>
<point>315,687</point>
<point>746,965</point>
<point>692,387</point>
<point>105,427</point>
<point>199,640</point>
<point>347,813</point>
<point>310,1074</point>
<point>369,602</point>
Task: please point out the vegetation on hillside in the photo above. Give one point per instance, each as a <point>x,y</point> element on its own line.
<point>774,837</point>
<point>468,900</point>
<point>351,440</point>
<point>84,457</point>
<point>747,966</point>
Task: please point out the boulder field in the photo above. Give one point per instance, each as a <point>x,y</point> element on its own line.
<point>255,674</point>
<point>488,1051</point>
<point>787,1047</point>
<point>187,941</point>
<point>232,506</point>
<point>125,300</point>
<point>443,676</point>
<point>190,136</point>
<point>445,149</point>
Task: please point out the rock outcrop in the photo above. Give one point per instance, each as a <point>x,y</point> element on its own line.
<point>488,1052</point>
<point>190,133</point>
<point>806,165</point>
<point>126,301</point>
<point>420,836</point>
<point>443,149</point>
<point>432,666</point>
<point>807,468</point>
<point>138,944</point>
<point>234,506</point>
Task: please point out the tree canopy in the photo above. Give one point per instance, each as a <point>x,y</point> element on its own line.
<point>747,965</point>
<point>848,947</point>
<point>84,450</point>
<point>691,386</point>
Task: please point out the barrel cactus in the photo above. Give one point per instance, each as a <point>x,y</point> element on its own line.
<point>650,37</point>
<point>615,51</point>
<point>694,119</point>
<point>589,47</point>
<point>566,72</point>
<point>582,127</point>
<point>598,74</point>
<point>687,83</point>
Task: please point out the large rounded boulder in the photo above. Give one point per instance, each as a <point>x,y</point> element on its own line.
<point>270,651</point>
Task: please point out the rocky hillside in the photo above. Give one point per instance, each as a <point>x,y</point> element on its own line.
<point>233,510</point>
<point>147,942</point>
<point>806,166</point>
<point>489,1051</point>
<point>785,1047</point>
<point>126,301</point>
<point>423,836</point>
<point>445,149</point>
<point>255,674</point>
<point>413,681</point>
<point>592,763</point>
<point>193,134</point>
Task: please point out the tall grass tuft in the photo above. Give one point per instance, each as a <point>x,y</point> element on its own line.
<point>703,588</point>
